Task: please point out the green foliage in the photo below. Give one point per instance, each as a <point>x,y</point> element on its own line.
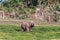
<point>33,3</point>
<point>28,3</point>
<point>58,7</point>
<point>56,17</point>
<point>29,6</point>
<point>14,4</point>
<point>23,16</point>
<point>6,4</point>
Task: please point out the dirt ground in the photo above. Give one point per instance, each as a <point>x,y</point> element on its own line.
<point>18,22</point>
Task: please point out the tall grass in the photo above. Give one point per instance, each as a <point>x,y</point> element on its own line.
<point>12,32</point>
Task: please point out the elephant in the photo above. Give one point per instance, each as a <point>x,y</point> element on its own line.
<point>27,25</point>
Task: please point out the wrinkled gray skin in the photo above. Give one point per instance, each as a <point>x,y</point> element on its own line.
<point>27,26</point>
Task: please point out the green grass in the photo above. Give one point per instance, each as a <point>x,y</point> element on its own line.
<point>12,32</point>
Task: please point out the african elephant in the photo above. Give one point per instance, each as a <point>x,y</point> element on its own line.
<point>27,26</point>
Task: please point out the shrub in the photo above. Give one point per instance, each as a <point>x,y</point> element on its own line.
<point>58,7</point>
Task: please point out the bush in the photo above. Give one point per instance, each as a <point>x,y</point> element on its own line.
<point>24,16</point>
<point>56,17</point>
<point>58,7</point>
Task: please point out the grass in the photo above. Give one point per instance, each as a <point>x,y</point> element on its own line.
<point>12,32</point>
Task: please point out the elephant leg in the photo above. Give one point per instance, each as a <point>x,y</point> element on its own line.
<point>22,29</point>
<point>27,29</point>
<point>30,29</point>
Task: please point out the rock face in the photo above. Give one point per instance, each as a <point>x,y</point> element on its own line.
<point>27,26</point>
